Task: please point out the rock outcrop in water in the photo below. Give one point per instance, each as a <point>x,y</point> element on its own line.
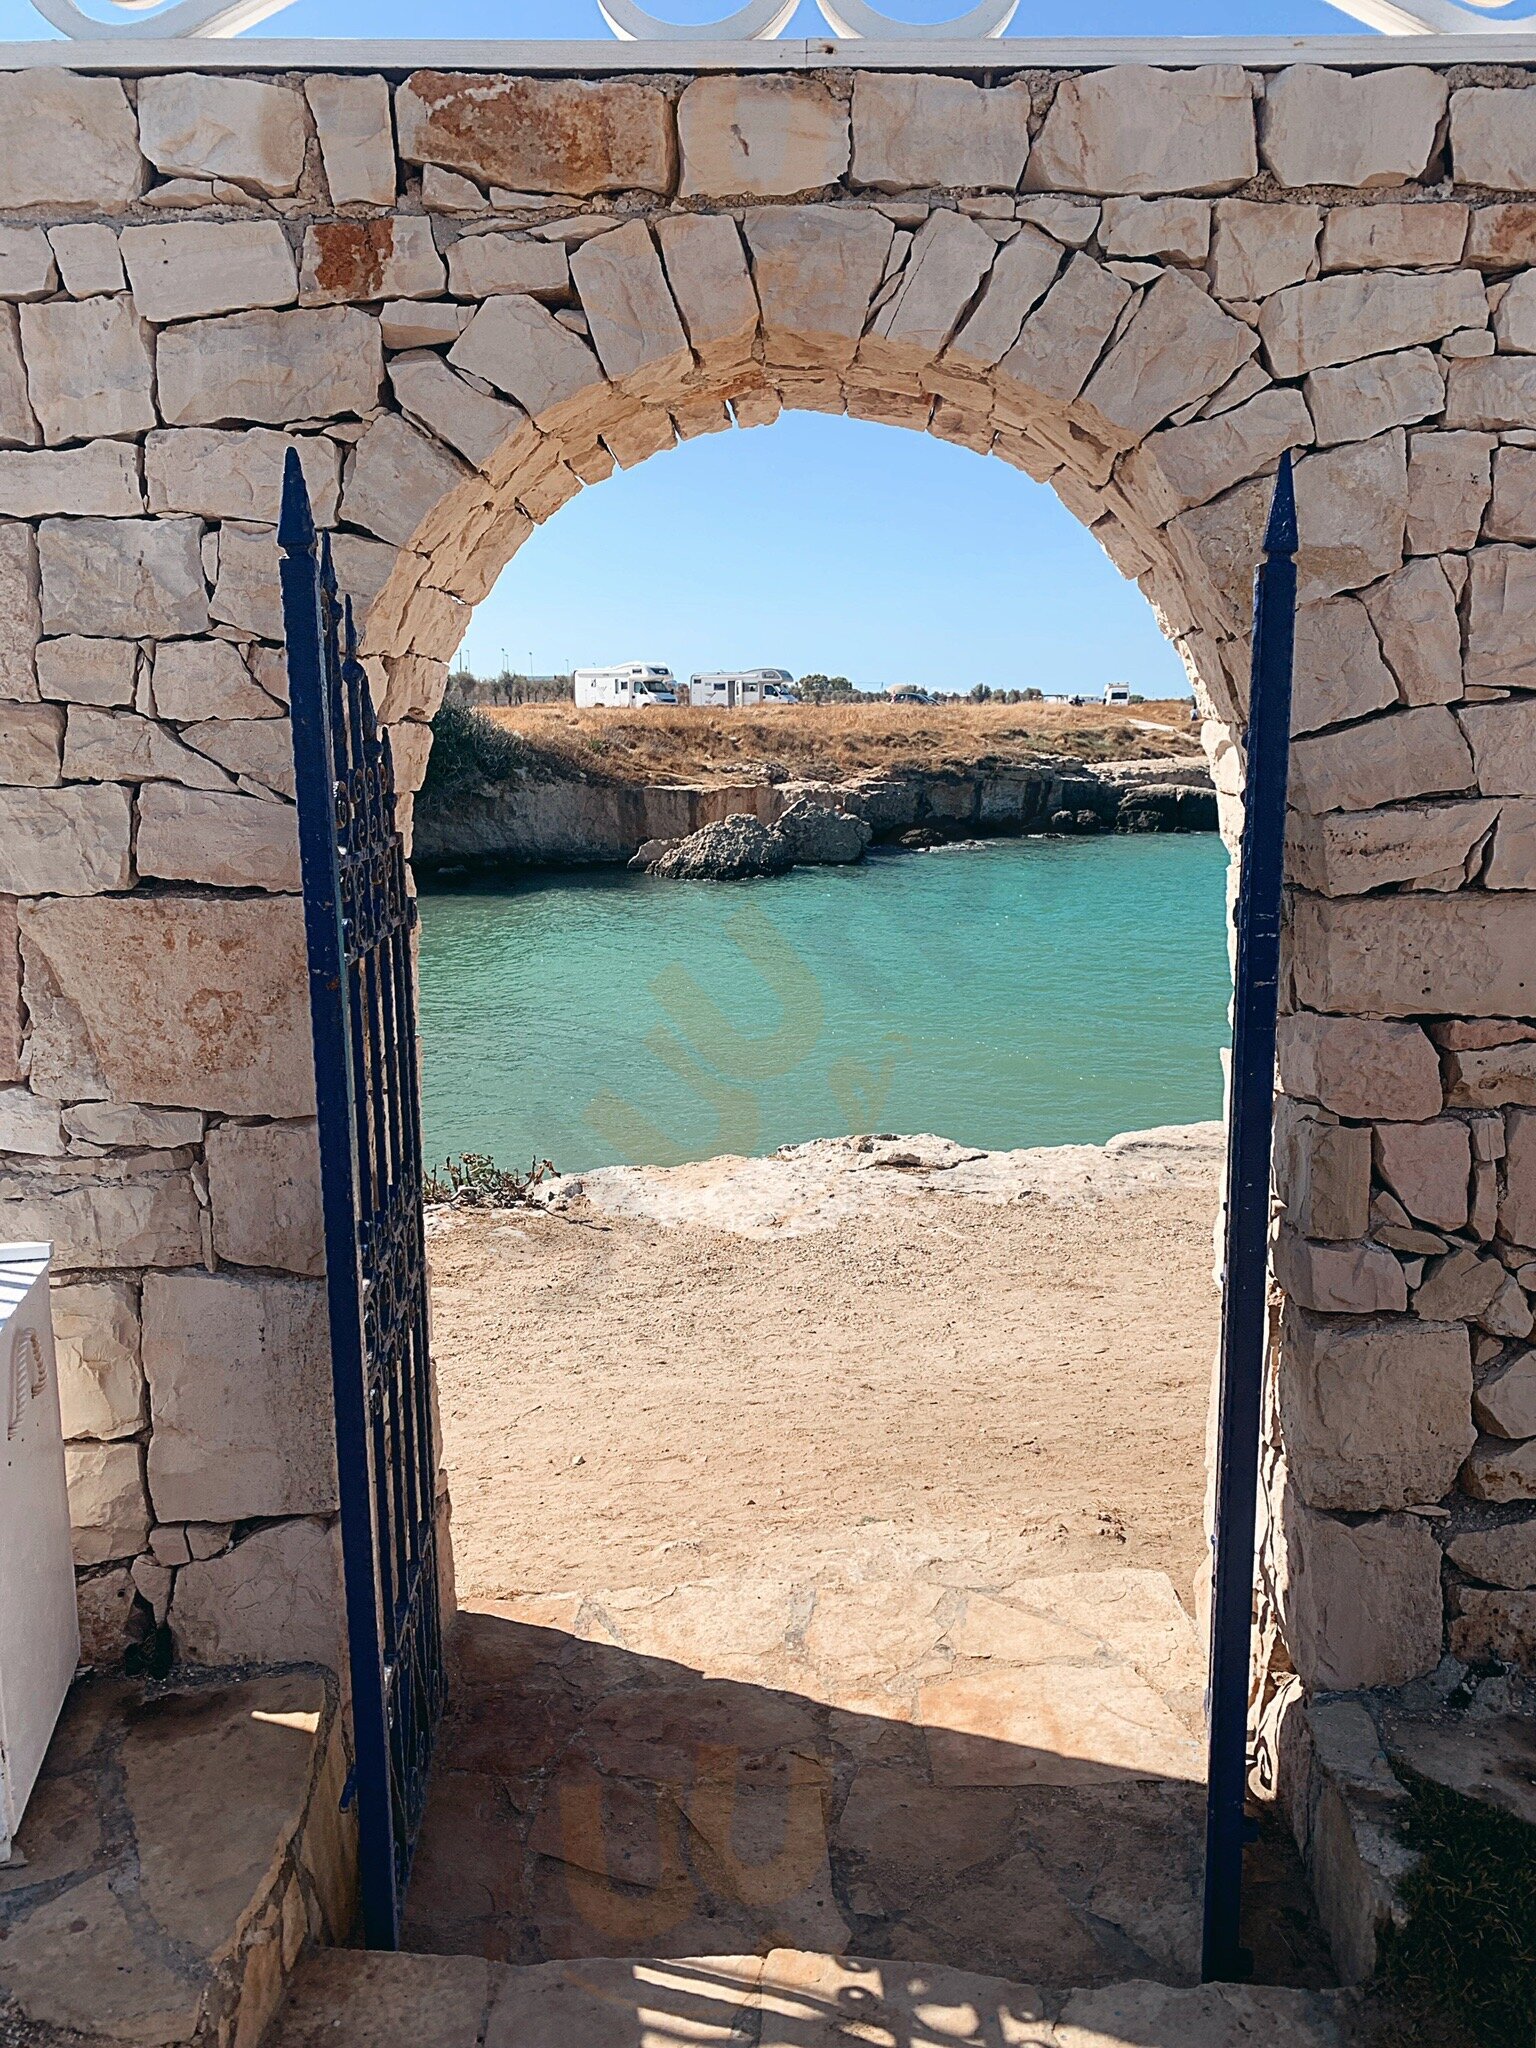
<point>729,851</point>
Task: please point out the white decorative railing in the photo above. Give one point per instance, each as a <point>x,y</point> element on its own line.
<point>759,21</point>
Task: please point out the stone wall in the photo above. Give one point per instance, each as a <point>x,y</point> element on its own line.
<point>463,298</point>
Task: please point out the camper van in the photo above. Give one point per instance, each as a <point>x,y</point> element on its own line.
<point>730,688</point>
<point>634,686</point>
<point>1117,693</point>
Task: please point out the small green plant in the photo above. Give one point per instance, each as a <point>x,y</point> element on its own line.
<point>475,1181</point>
<point>1468,1948</point>
<point>466,746</point>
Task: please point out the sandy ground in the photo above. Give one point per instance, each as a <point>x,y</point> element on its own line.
<point>634,1402</point>
<point>831,741</point>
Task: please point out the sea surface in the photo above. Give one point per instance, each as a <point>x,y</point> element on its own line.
<point>1013,992</point>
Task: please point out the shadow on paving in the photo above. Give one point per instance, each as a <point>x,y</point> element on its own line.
<point>591,1800</point>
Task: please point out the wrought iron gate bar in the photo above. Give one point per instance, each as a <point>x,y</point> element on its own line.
<point>359,917</point>
<point>1245,1278</point>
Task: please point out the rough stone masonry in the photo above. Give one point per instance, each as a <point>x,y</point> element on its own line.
<point>463,298</point>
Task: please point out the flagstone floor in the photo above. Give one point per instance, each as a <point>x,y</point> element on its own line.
<point>889,1762</point>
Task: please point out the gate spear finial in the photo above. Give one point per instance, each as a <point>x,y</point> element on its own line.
<point>296,522</point>
<point>1280,531</point>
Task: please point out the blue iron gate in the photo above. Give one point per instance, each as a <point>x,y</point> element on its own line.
<point>359,916</point>
<point>1244,1301</point>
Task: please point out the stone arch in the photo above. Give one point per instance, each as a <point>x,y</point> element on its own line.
<point>462,297</point>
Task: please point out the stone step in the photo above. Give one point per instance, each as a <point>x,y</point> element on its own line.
<point>790,1998</point>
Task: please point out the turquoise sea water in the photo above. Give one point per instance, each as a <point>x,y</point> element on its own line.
<point>1020,992</point>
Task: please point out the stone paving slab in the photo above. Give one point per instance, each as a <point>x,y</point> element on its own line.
<point>790,1998</point>
<point>1001,1776</point>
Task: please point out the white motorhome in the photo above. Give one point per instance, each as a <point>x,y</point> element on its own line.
<point>1117,693</point>
<point>732,687</point>
<point>633,686</point>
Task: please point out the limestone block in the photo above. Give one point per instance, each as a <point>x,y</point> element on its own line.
<point>1505,1403</point>
<point>67,141</point>
<point>1359,1066</point>
<point>912,130</point>
<point>1502,237</point>
<point>816,269</point>
<point>26,264</point>
<point>1356,400</point>
<point>1503,742</point>
<point>131,1124</point>
<point>349,260</point>
<point>1487,1077</point>
<point>96,1338</point>
<point>946,263</point>
<point>105,1213</point>
<point>1338,319</point>
<point>633,323</point>
<point>237,473</point>
<point>1338,673</point>
<point>1178,348</point>
<point>247,594</point>
<point>1505,1556</point>
<point>1176,229</point>
<point>357,144</point>
<point>471,421</point>
<point>1428,1167</point>
<point>524,351</point>
<point>416,323</point>
<point>18,422</point>
<point>120,746</point>
<point>109,577</point>
<point>1395,237</point>
<point>1214,548</point>
<point>1321,127</point>
<point>1351,509</point>
<point>184,270</point>
<point>1448,489</point>
<point>1361,1601</point>
<point>29,1125</point>
<point>89,259</point>
<point>1501,633</point>
<point>1468,955</point>
<point>1493,138</point>
<point>707,270</point>
<point>12,1012</point>
<point>1260,247</point>
<point>1023,270</point>
<point>1414,613</point>
<point>1137,130</point>
<point>102,478</point>
<point>396,478</point>
<point>88,671</point>
<point>257,749</point>
<point>1517,1209</point>
<point>1501,1471</point>
<point>479,265</point>
<point>187,1001</point>
<point>64,842</point>
<point>1512,508</point>
<point>223,839</point>
<point>562,135</point>
<point>1064,337</point>
<point>1374,1415</point>
<point>274,1598</point>
<point>1342,1279</point>
<point>1496,1628</point>
<point>1347,853</point>
<point>1190,465</point>
<point>1491,392</point>
<point>273,368</point>
<point>31,744</point>
<point>108,1512</point>
<point>264,1185</point>
<point>251,134</point>
<point>239,1385</point>
<point>89,370</point>
<point>196,679</point>
<point>1326,1170</point>
<point>761,136</point>
<point>1392,759</point>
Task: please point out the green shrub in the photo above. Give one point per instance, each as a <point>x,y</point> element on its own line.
<point>468,746</point>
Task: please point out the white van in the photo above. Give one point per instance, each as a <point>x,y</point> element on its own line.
<point>633,686</point>
<point>732,687</point>
<point>1117,693</point>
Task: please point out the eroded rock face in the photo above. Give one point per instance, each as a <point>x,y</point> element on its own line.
<point>1138,130</point>
<point>728,851</point>
<point>822,836</point>
<point>539,135</point>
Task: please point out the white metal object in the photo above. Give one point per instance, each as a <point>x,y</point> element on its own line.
<point>729,689</point>
<point>39,1628</point>
<point>632,686</point>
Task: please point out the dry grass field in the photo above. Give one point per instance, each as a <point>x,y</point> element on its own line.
<point>833,741</point>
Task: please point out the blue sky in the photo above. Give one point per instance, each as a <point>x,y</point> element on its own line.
<point>818,543</point>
